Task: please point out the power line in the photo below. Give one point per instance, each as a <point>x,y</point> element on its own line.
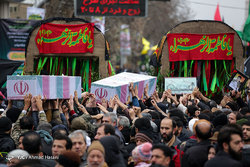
<point>208,4</point>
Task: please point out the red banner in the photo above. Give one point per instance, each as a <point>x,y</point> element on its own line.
<point>183,46</point>
<point>61,38</point>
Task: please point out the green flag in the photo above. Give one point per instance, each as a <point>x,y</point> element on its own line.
<point>240,33</point>
<point>246,30</point>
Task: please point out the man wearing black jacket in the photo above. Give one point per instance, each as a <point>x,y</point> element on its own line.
<point>7,144</point>
<point>196,156</point>
<point>230,147</point>
<point>246,147</point>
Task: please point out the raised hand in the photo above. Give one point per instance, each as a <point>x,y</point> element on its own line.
<point>33,104</point>
<point>9,104</point>
<point>146,110</point>
<point>76,98</point>
<point>71,103</point>
<point>137,111</point>
<point>98,116</point>
<point>116,98</point>
<point>84,96</point>
<point>156,96</point>
<point>56,104</point>
<point>157,108</point>
<point>102,108</point>
<point>136,92</point>
<point>128,100</point>
<point>27,101</point>
<point>104,103</point>
<point>131,86</point>
<point>111,102</point>
<point>195,91</point>
<point>39,103</point>
<point>154,103</point>
<point>146,91</point>
<point>238,94</point>
<point>60,105</point>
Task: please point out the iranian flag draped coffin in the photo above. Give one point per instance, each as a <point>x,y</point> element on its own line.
<point>119,85</point>
<point>52,87</point>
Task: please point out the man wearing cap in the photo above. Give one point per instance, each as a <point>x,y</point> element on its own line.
<point>96,155</point>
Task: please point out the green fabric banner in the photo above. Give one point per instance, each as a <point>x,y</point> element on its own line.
<point>185,68</point>
<point>87,76</point>
<point>180,68</point>
<point>74,66</point>
<point>67,70</point>
<point>50,65</point>
<point>246,30</point>
<point>204,77</point>
<point>41,65</point>
<point>213,84</point>
<point>191,67</point>
<point>61,67</point>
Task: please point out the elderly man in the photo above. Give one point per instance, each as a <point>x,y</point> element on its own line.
<point>96,155</point>
<point>124,127</point>
<point>111,118</point>
<point>15,156</point>
<point>79,145</point>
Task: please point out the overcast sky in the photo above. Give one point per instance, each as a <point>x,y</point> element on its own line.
<point>234,11</point>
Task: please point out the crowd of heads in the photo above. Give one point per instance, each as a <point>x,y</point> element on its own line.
<point>161,129</point>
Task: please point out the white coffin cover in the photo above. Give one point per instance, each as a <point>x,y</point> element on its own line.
<point>118,85</point>
<point>52,87</point>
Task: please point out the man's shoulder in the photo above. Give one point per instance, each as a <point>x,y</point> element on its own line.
<point>7,141</point>
<point>222,159</point>
<point>176,142</point>
<point>47,162</point>
<point>197,151</point>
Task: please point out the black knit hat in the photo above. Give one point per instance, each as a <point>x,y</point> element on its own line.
<point>145,135</point>
<point>5,124</point>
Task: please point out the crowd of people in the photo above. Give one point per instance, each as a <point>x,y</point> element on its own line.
<point>161,130</point>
